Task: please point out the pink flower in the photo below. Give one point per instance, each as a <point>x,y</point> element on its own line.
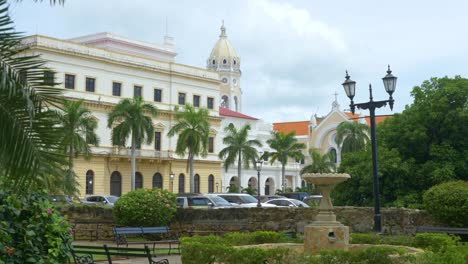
<point>49,211</point>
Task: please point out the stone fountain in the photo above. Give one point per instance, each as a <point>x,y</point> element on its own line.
<point>325,232</point>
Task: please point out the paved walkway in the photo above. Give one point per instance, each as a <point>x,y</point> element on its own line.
<point>173,258</point>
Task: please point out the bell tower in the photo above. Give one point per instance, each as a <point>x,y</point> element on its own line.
<point>226,62</point>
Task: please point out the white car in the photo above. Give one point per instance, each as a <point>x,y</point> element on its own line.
<point>242,200</point>
<point>107,200</point>
<point>287,202</point>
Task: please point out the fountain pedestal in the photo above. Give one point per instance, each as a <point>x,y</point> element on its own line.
<point>325,232</point>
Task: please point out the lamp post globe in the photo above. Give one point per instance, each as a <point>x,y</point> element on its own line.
<point>390,84</point>
<point>172,176</point>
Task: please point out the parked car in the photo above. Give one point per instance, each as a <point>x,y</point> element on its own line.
<point>107,200</point>
<point>60,199</point>
<point>264,198</point>
<point>296,195</point>
<point>242,199</point>
<point>196,201</point>
<point>217,201</point>
<point>287,202</point>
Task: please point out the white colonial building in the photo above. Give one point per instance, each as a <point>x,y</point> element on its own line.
<point>103,68</point>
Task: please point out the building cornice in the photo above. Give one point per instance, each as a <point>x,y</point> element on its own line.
<point>80,50</point>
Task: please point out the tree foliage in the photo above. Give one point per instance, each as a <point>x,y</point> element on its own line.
<point>78,131</point>
<point>129,119</point>
<point>285,146</point>
<point>29,132</point>
<point>320,163</point>
<point>423,146</point>
<point>351,136</point>
<point>239,147</point>
<point>193,130</point>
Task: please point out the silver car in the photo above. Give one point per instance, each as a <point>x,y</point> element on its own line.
<point>242,200</point>
<point>217,201</point>
<point>107,200</point>
<point>287,202</point>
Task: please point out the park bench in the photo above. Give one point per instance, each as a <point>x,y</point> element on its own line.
<point>90,227</point>
<point>85,254</point>
<point>462,232</point>
<point>157,235</point>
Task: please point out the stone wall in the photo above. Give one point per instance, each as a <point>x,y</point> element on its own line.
<point>359,219</point>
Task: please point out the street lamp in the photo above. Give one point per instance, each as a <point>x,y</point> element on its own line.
<point>171,176</point>
<point>258,164</point>
<point>350,88</point>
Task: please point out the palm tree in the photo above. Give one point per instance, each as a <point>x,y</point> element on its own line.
<point>238,147</point>
<point>193,130</point>
<point>351,136</point>
<point>320,163</point>
<point>29,132</point>
<point>79,130</point>
<point>129,119</point>
<point>285,146</point>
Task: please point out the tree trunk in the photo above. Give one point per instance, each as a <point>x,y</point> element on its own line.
<point>71,165</point>
<point>239,176</point>
<point>283,171</point>
<point>133,158</point>
<point>192,179</point>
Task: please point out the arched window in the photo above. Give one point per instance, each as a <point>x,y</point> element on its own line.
<point>225,101</point>
<point>235,103</point>
<point>267,187</point>
<point>181,183</point>
<point>333,155</point>
<point>224,61</point>
<point>235,62</point>
<point>157,180</point>
<point>89,182</point>
<point>210,183</point>
<point>116,183</point>
<point>214,62</point>
<point>196,183</point>
<point>138,180</point>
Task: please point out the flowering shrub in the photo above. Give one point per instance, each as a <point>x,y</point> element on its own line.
<point>145,207</point>
<point>31,231</point>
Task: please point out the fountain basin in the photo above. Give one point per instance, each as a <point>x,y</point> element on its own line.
<point>325,178</point>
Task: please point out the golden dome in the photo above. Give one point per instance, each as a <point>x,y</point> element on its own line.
<point>223,54</point>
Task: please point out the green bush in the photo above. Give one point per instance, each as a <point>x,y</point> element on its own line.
<point>448,203</point>
<point>32,231</point>
<point>435,242</point>
<point>259,237</point>
<point>145,207</point>
<point>213,249</point>
<point>370,238</point>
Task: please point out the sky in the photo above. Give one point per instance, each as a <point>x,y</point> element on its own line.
<point>294,54</point>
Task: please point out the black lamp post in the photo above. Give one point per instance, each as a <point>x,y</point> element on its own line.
<point>350,88</point>
<point>171,176</point>
<point>258,164</point>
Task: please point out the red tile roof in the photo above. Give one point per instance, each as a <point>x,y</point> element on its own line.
<point>300,127</point>
<point>378,119</point>
<point>226,112</point>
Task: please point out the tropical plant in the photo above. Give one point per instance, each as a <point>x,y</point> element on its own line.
<point>250,190</point>
<point>32,230</point>
<point>320,163</point>
<point>78,131</point>
<point>285,146</point>
<point>351,136</point>
<point>193,129</point>
<point>29,132</point>
<point>145,207</point>
<point>129,119</point>
<point>239,147</point>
